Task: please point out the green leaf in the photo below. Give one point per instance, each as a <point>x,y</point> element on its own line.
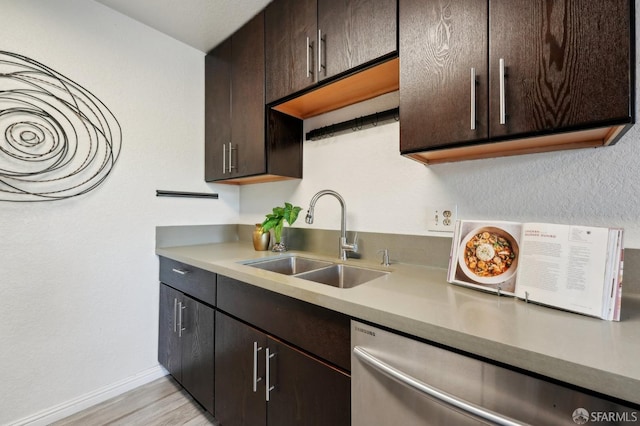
<point>291,213</point>
<point>270,222</point>
<point>266,225</point>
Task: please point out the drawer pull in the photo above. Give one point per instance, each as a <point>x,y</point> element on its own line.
<point>180,271</point>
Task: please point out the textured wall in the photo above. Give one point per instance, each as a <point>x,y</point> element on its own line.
<point>79,277</point>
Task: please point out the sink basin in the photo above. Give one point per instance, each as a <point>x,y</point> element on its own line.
<point>319,271</point>
<point>342,276</point>
<point>290,265</point>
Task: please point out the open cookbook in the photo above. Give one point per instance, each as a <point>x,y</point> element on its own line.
<point>575,268</point>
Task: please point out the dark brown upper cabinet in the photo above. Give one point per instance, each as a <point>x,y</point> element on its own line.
<point>217,111</point>
<point>309,41</point>
<point>442,45</point>
<point>503,77</point>
<point>244,141</point>
<point>355,32</point>
<point>290,36</point>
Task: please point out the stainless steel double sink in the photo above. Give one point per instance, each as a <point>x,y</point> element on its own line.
<point>320,271</point>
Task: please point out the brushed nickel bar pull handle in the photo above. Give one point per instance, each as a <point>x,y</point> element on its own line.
<point>175,315</point>
<point>224,158</point>
<point>180,328</point>
<point>433,392</point>
<point>320,66</point>
<point>267,374</point>
<point>180,271</point>
<point>256,379</point>
<point>503,107</point>
<point>473,98</point>
<point>231,166</point>
<point>308,61</point>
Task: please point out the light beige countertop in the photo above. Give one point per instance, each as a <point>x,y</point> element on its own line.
<point>588,352</point>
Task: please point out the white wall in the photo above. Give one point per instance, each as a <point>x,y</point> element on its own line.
<point>387,193</point>
<point>78,277</point>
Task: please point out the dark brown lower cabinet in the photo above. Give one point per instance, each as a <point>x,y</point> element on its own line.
<point>169,344</point>
<point>263,381</point>
<point>186,343</point>
<point>238,401</point>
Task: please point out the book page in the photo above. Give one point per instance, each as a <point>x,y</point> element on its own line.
<point>563,266</point>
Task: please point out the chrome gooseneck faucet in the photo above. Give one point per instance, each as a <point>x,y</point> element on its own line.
<point>344,245</point>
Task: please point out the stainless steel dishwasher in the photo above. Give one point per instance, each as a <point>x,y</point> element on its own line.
<point>397,380</point>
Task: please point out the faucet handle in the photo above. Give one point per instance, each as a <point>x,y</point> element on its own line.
<point>345,245</point>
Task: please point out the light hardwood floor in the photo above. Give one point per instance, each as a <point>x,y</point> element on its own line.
<point>161,402</point>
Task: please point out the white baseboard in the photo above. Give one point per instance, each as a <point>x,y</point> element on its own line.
<point>60,411</point>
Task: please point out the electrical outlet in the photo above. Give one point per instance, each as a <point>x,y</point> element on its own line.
<point>442,218</point>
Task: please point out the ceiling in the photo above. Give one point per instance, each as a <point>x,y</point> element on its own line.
<point>202,24</point>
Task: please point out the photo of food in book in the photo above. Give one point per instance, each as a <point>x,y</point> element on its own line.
<point>488,255</point>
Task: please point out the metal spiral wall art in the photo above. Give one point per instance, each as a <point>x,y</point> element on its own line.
<point>57,140</point>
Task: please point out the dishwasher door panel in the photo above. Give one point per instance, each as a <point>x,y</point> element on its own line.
<point>476,392</point>
<point>378,400</point>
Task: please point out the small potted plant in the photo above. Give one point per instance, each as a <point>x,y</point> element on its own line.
<point>276,220</point>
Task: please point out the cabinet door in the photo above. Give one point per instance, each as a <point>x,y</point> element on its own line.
<point>248,156</point>
<point>169,344</point>
<point>197,351</point>
<point>236,401</point>
<point>217,111</point>
<point>306,392</point>
<point>441,42</point>
<point>567,64</point>
<point>355,32</point>
<point>290,24</point>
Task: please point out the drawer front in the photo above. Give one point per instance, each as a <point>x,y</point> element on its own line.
<point>320,331</point>
<point>195,282</point>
